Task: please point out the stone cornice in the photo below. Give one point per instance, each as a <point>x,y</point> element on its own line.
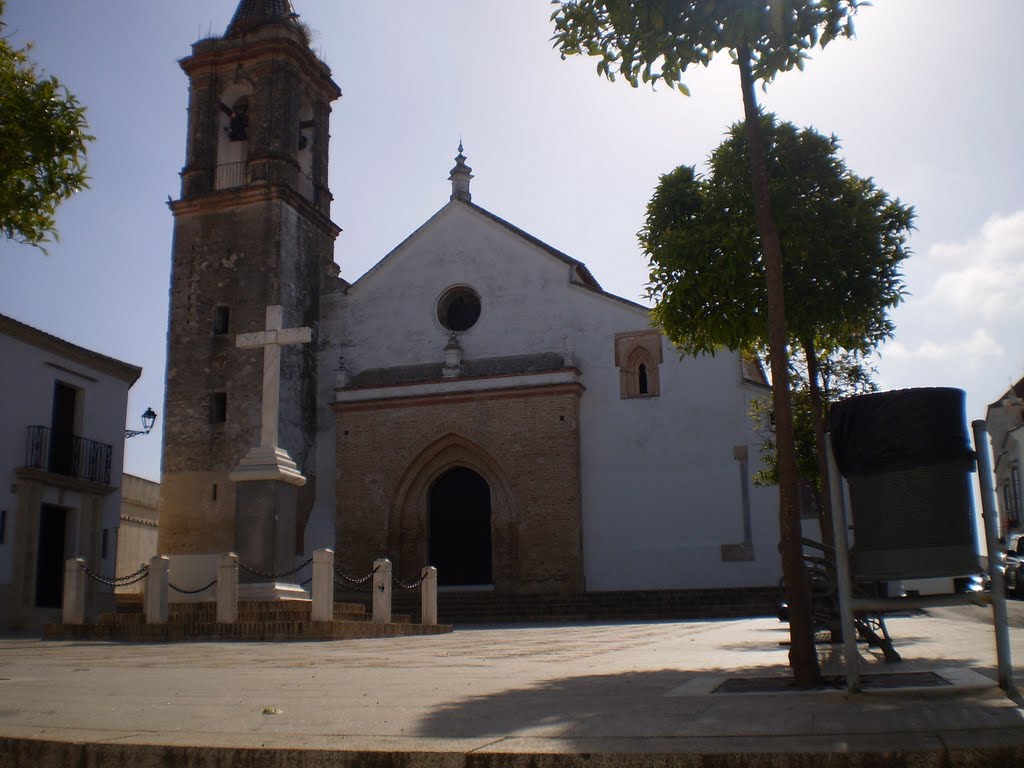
<point>413,396</point>
<point>214,54</point>
<point>224,199</point>
<point>43,477</point>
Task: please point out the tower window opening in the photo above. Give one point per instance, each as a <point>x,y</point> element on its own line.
<point>221,319</point>
<point>642,379</point>
<point>218,407</point>
<point>238,120</point>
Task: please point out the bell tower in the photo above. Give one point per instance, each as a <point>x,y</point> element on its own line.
<point>252,229</point>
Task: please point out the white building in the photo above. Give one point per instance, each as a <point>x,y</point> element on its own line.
<point>475,401</point>
<point>1005,419</point>
<point>61,451</point>
<point>606,461</point>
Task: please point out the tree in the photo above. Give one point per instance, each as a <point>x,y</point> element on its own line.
<point>42,147</point>
<point>657,40</point>
<point>844,241</point>
<point>841,374</point>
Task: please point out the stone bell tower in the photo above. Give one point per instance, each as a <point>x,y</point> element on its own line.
<point>252,229</point>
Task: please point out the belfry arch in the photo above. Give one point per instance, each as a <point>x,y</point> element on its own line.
<point>428,483</point>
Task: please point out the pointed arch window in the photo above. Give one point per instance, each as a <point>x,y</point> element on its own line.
<point>638,357</point>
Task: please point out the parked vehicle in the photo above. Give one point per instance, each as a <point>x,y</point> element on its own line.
<point>1013,566</point>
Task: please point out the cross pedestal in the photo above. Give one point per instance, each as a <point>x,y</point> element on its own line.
<point>267,480</point>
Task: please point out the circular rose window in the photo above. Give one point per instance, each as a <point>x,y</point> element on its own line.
<point>459,308</point>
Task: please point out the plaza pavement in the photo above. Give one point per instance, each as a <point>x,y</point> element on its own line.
<point>572,695</point>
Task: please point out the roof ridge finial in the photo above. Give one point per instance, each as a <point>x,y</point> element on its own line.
<point>460,176</point>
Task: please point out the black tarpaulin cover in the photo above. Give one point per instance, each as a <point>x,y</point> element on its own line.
<point>901,429</point>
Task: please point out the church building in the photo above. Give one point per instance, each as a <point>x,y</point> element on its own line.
<point>475,401</point>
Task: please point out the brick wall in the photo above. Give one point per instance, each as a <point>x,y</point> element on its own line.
<point>523,442</point>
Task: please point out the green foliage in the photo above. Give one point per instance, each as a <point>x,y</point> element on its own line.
<point>843,240</point>
<point>651,40</point>
<point>42,147</point>
<point>841,374</point>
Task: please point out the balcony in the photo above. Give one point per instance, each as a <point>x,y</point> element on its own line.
<point>234,175</point>
<point>68,455</point>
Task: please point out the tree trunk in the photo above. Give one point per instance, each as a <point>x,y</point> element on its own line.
<point>803,657</point>
<point>818,417</point>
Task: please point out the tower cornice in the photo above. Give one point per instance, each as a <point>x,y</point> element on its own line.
<point>214,54</point>
<point>226,199</point>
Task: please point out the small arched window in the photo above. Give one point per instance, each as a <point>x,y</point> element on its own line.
<point>638,356</point>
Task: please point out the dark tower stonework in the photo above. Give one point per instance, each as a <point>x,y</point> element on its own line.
<point>252,229</point>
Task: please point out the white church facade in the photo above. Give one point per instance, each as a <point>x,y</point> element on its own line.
<point>475,401</point>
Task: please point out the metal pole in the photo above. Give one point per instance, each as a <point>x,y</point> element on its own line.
<point>988,515</point>
<point>843,570</point>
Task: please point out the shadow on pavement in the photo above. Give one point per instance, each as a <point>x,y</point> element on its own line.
<point>658,703</point>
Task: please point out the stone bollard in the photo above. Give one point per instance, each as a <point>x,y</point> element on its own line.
<point>74,591</point>
<point>156,589</point>
<point>428,597</point>
<point>227,589</point>
<point>323,585</point>
<point>382,591</point>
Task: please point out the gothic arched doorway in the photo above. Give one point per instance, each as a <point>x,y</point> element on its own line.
<point>460,528</point>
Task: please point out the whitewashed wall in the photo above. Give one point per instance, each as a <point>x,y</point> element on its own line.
<point>27,392</point>
<point>661,488</point>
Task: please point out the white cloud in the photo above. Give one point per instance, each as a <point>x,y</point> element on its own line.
<point>976,347</point>
<point>967,297</point>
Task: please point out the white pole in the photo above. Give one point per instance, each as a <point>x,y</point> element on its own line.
<point>428,597</point>
<point>323,585</point>
<point>227,589</point>
<point>74,591</point>
<point>839,530</point>
<point>156,589</point>
<point>988,515</point>
<point>382,591</point>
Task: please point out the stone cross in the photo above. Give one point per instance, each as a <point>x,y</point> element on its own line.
<point>272,339</point>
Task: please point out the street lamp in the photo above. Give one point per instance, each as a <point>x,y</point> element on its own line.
<point>148,420</point>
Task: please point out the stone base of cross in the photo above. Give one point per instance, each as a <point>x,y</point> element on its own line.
<point>268,461</point>
<point>267,464</point>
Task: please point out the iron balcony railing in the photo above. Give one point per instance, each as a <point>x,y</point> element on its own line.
<point>233,175</point>
<point>69,455</point>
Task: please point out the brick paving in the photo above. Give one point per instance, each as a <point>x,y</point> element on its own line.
<point>531,695</point>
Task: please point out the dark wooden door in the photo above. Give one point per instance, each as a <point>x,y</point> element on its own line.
<point>62,430</point>
<point>50,558</point>
<point>460,528</point>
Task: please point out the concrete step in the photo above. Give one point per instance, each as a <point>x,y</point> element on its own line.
<point>495,607</point>
<point>249,631</point>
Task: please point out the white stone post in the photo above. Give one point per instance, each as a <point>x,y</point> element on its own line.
<point>156,589</point>
<point>323,585</point>
<point>74,591</point>
<point>227,589</point>
<point>428,597</point>
<point>382,591</point>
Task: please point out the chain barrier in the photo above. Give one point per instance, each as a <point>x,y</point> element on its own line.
<point>307,581</point>
<point>355,585</point>
<point>411,585</point>
<point>273,576</point>
<point>352,587</point>
<point>119,581</point>
<point>357,582</point>
<point>191,591</point>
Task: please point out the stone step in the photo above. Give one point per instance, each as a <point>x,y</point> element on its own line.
<point>255,631</point>
<point>640,605</point>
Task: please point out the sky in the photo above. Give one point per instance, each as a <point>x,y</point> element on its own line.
<point>925,100</point>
